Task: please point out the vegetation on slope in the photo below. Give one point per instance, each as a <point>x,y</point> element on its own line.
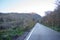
<point>13,25</point>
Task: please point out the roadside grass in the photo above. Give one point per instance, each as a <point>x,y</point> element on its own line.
<point>56,28</point>
<point>9,34</point>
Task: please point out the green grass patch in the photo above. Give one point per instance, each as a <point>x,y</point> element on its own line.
<point>56,28</point>
<point>7,34</point>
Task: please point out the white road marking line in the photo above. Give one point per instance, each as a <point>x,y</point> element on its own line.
<point>30,34</point>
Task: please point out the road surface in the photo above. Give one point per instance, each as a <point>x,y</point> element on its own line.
<point>40,32</point>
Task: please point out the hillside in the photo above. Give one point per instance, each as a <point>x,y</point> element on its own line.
<point>15,19</point>
<point>16,23</point>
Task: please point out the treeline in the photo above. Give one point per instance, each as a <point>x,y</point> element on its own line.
<point>52,19</point>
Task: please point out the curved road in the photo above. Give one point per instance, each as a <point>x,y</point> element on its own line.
<point>41,32</point>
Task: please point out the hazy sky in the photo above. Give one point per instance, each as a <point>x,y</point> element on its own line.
<point>38,6</point>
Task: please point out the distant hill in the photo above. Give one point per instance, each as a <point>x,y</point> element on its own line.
<point>12,20</point>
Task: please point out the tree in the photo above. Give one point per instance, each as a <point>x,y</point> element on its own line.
<point>52,18</point>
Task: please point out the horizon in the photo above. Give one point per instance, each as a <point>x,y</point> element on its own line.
<point>27,6</point>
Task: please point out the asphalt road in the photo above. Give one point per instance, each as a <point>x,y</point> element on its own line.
<point>41,32</point>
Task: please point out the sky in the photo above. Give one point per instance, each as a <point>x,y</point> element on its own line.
<point>27,6</point>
